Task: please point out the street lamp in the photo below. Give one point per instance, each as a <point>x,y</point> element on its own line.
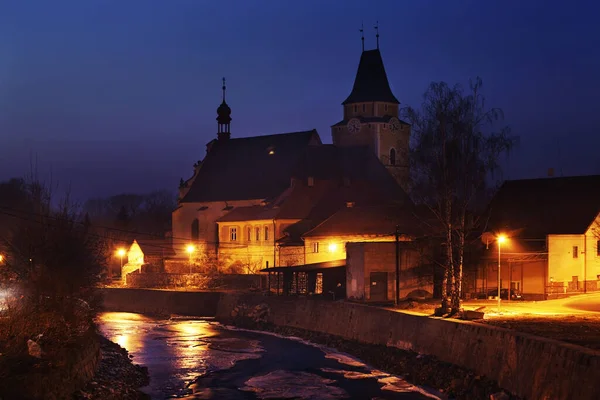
<point>500,239</point>
<point>1,258</point>
<point>190,249</point>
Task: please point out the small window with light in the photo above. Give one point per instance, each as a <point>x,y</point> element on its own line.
<point>233,234</point>
<point>315,247</point>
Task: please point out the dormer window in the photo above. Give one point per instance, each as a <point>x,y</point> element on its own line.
<point>271,150</point>
<point>311,181</point>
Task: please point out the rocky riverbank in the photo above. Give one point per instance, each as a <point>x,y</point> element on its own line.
<point>422,370</point>
<point>116,377</point>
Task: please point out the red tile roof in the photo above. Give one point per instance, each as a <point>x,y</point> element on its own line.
<point>539,207</point>
<point>371,220</point>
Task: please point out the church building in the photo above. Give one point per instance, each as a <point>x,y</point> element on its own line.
<point>250,197</point>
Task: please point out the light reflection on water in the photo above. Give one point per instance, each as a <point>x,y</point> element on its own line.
<point>197,358</point>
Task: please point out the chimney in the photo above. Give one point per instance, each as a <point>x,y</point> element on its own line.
<point>550,172</point>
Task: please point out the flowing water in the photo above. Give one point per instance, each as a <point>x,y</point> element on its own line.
<point>201,359</point>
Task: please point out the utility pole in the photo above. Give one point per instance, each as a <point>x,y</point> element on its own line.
<point>397,236</point>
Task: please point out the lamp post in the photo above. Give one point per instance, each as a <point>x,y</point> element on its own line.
<point>190,249</point>
<point>500,239</point>
<point>121,254</point>
<point>1,258</point>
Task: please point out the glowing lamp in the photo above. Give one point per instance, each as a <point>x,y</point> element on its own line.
<point>1,258</point>
<point>332,247</point>
<point>190,248</point>
<point>121,252</point>
<point>501,239</point>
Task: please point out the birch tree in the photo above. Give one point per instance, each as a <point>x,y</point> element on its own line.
<point>454,155</point>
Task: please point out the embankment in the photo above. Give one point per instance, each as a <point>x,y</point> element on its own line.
<point>156,302</point>
<point>530,367</point>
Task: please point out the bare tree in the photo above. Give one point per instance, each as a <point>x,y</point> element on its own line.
<point>454,156</point>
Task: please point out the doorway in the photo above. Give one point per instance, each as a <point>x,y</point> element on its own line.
<point>378,286</point>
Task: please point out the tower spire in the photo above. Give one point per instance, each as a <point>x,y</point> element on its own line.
<point>223,89</point>
<point>362,36</point>
<point>377,35</point>
<point>223,118</point>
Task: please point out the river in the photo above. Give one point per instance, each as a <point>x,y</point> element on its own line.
<point>201,359</point>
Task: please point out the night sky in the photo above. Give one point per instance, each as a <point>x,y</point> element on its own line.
<point>114,96</point>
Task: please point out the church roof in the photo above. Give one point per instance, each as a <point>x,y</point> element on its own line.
<point>250,168</point>
<point>368,120</point>
<point>340,175</point>
<point>371,82</point>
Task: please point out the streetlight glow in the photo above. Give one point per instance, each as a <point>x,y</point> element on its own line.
<point>190,248</point>
<point>501,238</point>
<point>332,247</point>
<point>121,252</point>
<point>1,258</point>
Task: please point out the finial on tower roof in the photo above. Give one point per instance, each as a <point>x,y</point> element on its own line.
<point>362,35</point>
<point>377,35</point>
<point>223,89</point>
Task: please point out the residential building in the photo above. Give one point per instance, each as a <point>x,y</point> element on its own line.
<point>551,226</point>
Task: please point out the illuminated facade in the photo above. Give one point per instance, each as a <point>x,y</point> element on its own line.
<point>552,241</point>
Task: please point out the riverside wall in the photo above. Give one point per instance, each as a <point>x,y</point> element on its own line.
<point>528,366</point>
<point>162,302</point>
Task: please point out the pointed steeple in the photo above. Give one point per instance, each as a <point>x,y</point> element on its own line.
<point>371,82</point>
<point>223,118</point>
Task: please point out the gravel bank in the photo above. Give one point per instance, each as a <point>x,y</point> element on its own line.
<point>117,377</point>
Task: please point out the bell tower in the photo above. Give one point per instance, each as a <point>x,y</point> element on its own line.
<point>371,116</point>
<point>223,118</point>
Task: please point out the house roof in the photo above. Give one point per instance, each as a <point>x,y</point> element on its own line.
<point>371,82</point>
<point>540,207</point>
<point>244,169</point>
<point>156,247</point>
<point>339,175</point>
<point>371,220</point>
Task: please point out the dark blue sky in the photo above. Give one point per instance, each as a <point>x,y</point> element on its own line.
<point>114,96</point>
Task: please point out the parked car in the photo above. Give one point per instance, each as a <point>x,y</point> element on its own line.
<point>514,294</point>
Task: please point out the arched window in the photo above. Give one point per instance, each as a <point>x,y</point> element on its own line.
<point>392,156</point>
<point>195,229</point>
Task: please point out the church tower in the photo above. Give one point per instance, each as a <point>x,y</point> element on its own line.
<point>371,117</point>
<point>223,118</point>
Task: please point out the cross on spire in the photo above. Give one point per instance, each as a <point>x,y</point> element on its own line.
<point>223,90</point>
<point>362,35</point>
<point>377,35</point>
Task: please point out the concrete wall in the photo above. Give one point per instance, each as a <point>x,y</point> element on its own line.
<point>364,258</point>
<point>332,248</point>
<point>149,301</point>
<point>529,366</point>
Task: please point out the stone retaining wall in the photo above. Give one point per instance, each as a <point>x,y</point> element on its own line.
<point>152,301</point>
<point>201,281</point>
<point>531,367</point>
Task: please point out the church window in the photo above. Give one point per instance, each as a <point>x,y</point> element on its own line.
<point>355,109</point>
<point>266,233</point>
<point>195,229</point>
<point>233,234</point>
<point>392,156</point>
<point>249,233</point>
<point>257,234</point>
